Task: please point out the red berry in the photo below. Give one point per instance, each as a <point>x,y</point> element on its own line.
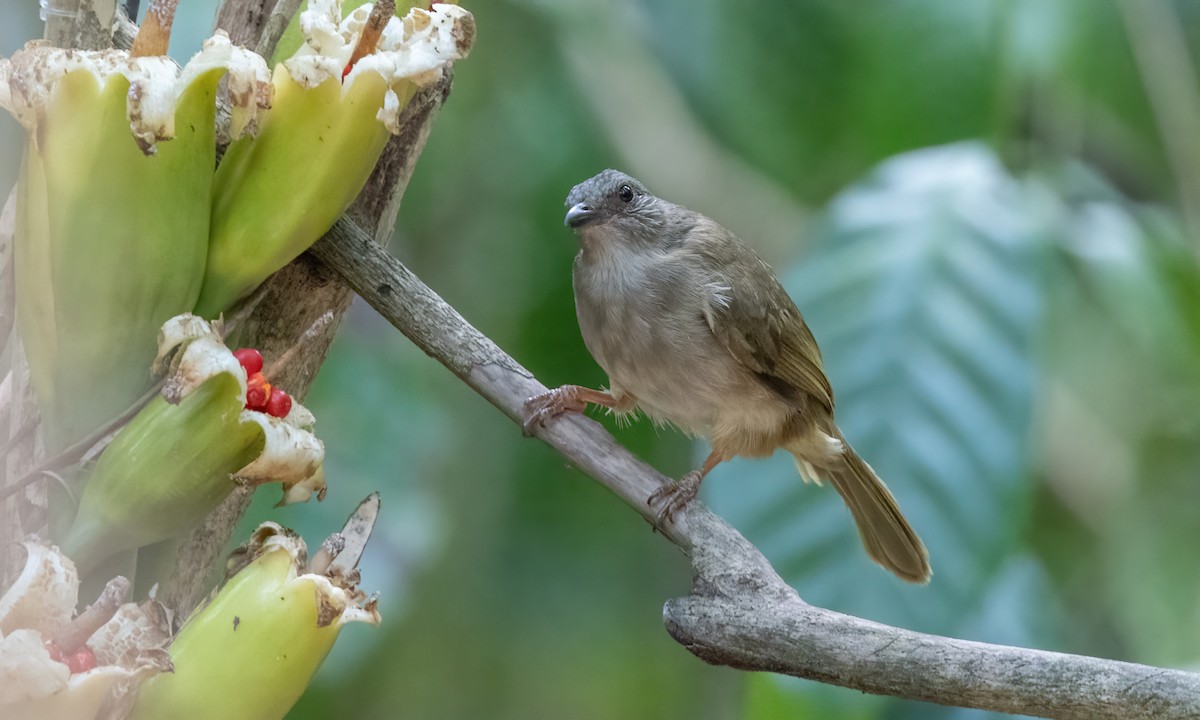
<point>279,404</point>
<point>250,359</point>
<point>55,653</point>
<point>258,392</point>
<point>81,660</point>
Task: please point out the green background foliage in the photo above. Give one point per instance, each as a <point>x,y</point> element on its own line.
<point>974,205</point>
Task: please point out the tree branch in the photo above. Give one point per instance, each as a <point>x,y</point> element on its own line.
<point>740,612</point>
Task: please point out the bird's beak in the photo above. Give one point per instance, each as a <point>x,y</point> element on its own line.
<point>579,214</point>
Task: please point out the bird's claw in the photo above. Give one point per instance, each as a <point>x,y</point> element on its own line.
<point>549,405</point>
<point>674,497</point>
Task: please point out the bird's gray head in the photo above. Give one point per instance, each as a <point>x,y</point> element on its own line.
<point>616,205</point>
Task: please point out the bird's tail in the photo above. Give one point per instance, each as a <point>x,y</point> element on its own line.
<point>889,539</point>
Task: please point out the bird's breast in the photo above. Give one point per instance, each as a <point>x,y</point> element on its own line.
<point>645,328</point>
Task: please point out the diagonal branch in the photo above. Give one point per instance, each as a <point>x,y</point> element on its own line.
<point>740,613</point>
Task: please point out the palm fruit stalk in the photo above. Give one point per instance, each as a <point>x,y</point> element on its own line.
<point>186,450</point>
<point>113,207</point>
<point>251,652</point>
<point>336,101</point>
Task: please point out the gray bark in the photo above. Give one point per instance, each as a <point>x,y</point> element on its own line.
<point>740,612</point>
<point>60,22</point>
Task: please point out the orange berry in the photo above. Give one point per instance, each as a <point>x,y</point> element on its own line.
<point>258,392</point>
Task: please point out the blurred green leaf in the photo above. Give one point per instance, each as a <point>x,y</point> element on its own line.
<point>769,697</point>
<point>817,92</point>
<point>1124,380</point>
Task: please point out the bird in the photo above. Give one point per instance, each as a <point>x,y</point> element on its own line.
<point>694,330</point>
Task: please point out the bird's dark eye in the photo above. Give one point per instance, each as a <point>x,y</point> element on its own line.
<point>625,193</point>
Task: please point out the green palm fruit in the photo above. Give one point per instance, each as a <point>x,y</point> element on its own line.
<point>113,208</point>
<point>179,456</point>
<point>251,652</point>
<point>276,193</point>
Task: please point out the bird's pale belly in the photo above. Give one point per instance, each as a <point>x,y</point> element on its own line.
<point>691,382</point>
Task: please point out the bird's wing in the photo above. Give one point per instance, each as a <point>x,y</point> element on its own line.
<point>753,317</point>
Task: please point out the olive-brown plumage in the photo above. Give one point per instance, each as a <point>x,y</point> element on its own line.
<point>693,328</point>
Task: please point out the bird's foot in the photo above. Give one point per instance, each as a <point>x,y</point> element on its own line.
<point>675,496</point>
<point>550,405</point>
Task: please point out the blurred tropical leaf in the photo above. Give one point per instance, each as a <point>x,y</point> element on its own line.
<point>925,289</point>
<point>1120,452</point>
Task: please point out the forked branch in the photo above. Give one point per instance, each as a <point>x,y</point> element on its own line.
<point>740,613</point>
